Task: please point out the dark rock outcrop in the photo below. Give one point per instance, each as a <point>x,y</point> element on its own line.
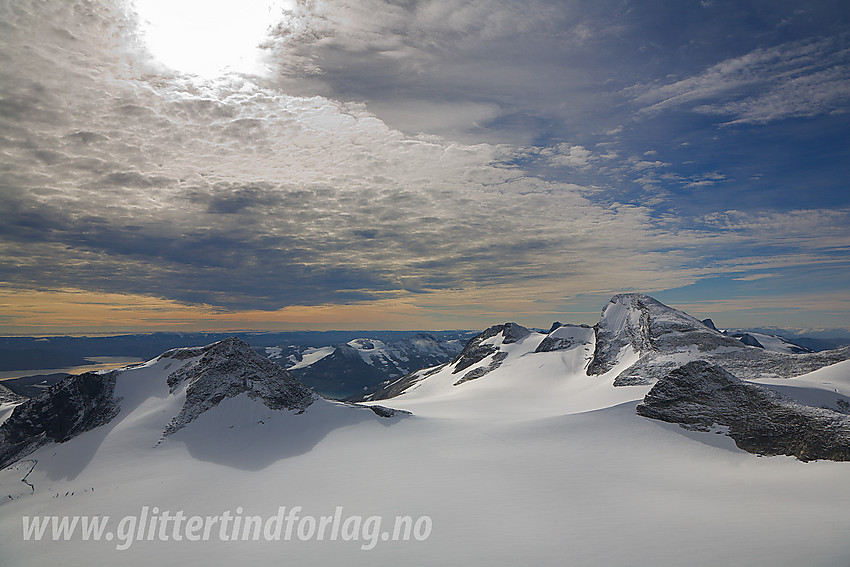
<point>699,396</point>
<point>495,362</point>
<point>750,340</point>
<point>383,411</point>
<point>75,405</point>
<point>476,351</point>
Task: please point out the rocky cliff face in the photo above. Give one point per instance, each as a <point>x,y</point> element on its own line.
<point>701,396</point>
<point>479,347</point>
<point>647,327</point>
<point>73,406</point>
<point>565,337</point>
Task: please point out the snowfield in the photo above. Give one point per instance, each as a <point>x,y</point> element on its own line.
<point>530,461</point>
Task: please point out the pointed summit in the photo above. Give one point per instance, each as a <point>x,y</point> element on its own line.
<point>637,324</point>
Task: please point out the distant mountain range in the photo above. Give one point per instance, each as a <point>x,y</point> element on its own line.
<point>335,363</point>
<point>149,345</point>
<point>339,364</point>
<point>361,365</point>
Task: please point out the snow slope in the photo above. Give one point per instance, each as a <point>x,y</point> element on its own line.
<point>772,343</point>
<point>526,383</point>
<point>826,387</point>
<point>311,356</point>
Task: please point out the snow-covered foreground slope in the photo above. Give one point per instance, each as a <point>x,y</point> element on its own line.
<point>527,461</point>
<point>597,488</point>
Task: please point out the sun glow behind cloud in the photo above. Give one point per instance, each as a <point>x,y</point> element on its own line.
<point>208,38</point>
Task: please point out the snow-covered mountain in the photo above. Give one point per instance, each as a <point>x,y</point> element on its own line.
<point>638,342</point>
<point>773,343</point>
<point>637,338</point>
<point>661,338</point>
<point>525,448</point>
<point>363,364</point>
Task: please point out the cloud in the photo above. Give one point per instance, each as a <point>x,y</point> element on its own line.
<point>236,194</point>
<point>795,79</point>
<point>569,156</point>
<point>782,306</point>
<point>409,59</point>
<point>754,277</point>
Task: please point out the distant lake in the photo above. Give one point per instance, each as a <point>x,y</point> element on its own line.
<point>100,363</point>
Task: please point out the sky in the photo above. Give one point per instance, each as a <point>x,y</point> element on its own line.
<point>420,164</point>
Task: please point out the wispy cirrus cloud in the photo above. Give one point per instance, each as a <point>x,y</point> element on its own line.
<point>796,79</point>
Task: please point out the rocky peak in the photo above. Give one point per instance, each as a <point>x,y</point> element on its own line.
<point>564,337</point>
<point>226,369</point>
<point>750,340</point>
<point>477,349</point>
<point>649,327</point>
<point>209,375</point>
<point>513,333</point>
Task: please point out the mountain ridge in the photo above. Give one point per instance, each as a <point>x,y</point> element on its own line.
<point>654,337</point>
<point>191,380</point>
